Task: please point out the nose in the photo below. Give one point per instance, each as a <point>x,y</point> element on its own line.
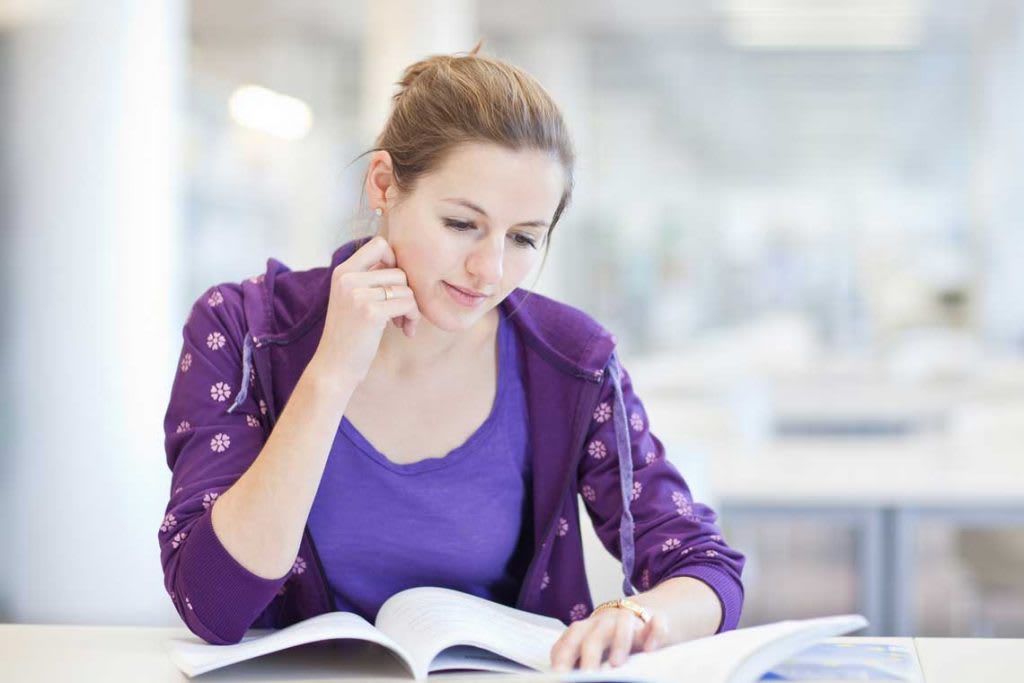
<point>486,261</point>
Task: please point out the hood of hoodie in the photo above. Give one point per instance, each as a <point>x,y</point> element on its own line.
<point>282,305</point>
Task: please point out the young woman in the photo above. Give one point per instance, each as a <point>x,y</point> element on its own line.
<point>323,459</point>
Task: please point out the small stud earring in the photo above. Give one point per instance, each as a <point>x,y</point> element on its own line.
<point>379,211</point>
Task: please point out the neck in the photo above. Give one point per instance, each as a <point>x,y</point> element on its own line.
<point>402,356</point>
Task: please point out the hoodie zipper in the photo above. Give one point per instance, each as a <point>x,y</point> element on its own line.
<point>531,570</point>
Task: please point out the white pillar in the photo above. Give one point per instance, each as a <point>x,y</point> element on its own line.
<point>93,96</point>
<point>997,191</point>
<point>400,32</point>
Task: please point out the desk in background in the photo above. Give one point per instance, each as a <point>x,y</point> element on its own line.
<point>884,494</point>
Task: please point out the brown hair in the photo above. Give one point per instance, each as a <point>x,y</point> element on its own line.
<point>447,100</point>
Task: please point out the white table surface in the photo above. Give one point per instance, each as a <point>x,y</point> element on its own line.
<point>837,474</point>
<point>31,652</point>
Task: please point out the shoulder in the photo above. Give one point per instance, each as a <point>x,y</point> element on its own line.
<point>221,302</point>
<point>560,330</point>
<point>271,303</point>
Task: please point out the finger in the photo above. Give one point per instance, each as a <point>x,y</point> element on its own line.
<point>375,251</point>
<point>657,634</point>
<point>396,307</point>
<point>376,293</point>
<point>596,642</point>
<point>562,650</point>
<point>378,277</point>
<point>565,650</point>
<point>622,641</point>
<point>395,292</point>
<point>640,635</point>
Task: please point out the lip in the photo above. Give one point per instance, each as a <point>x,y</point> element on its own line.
<point>467,292</point>
<point>462,298</point>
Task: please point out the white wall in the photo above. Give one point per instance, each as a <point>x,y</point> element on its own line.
<point>92,94</point>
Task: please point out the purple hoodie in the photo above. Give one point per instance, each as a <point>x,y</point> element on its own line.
<point>245,347</point>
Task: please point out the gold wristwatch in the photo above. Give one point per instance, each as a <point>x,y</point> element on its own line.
<point>626,603</point>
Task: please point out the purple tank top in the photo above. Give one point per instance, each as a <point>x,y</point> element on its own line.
<point>455,521</point>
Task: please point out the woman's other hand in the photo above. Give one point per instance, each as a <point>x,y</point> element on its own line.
<point>618,631</point>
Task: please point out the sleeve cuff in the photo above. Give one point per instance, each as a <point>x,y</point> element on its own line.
<point>225,597</point>
<point>728,590</point>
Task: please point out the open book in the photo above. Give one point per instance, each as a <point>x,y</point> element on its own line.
<point>437,629</point>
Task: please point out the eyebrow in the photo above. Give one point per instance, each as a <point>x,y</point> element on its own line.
<point>470,205</point>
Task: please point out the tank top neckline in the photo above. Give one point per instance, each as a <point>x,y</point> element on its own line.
<point>458,453</point>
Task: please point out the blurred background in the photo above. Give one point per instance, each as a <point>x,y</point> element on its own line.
<point>802,220</point>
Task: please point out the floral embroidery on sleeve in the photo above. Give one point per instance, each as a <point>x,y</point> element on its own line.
<point>207,447</point>
<point>220,443</point>
<point>221,391</point>
<point>216,341</point>
<point>671,534</point>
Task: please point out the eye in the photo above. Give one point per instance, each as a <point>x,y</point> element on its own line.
<point>458,225</point>
<point>462,226</point>
<point>524,241</point>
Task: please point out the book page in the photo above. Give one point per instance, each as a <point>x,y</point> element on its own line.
<point>427,621</point>
<point>462,657</point>
<point>739,656</point>
<point>850,661</point>
<point>194,656</point>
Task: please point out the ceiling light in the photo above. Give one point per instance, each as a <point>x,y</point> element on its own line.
<point>262,109</point>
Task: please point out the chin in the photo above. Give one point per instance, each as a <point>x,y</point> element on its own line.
<point>451,319</point>
<point>453,322</point>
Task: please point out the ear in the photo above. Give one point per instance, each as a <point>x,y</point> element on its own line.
<point>380,179</point>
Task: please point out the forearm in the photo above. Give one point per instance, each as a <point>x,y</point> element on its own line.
<point>690,608</point>
<point>260,519</point>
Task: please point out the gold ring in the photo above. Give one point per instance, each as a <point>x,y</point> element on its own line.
<point>387,292</point>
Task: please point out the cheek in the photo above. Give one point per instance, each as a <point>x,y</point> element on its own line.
<point>518,269</point>
<point>415,261</point>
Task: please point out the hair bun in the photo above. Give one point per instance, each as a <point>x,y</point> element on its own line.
<point>414,71</point>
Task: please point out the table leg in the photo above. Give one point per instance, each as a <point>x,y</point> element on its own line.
<point>872,598</point>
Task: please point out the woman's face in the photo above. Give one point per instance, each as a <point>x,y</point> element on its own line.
<point>478,222</point>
